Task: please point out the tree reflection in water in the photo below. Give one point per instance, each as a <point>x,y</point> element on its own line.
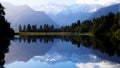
<point>4,48</point>
<point>105,44</point>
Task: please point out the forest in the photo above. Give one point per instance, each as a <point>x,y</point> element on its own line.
<point>109,24</point>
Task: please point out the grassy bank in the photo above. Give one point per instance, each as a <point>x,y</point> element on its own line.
<point>64,33</point>
<point>43,33</point>
<point>49,33</point>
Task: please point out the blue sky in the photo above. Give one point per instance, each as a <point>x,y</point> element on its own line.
<point>61,5</point>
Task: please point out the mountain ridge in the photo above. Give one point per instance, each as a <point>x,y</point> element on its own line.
<point>24,15</point>
<point>105,11</point>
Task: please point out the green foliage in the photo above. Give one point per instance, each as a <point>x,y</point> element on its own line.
<point>34,28</point>
<point>108,24</point>
<point>98,26</point>
<point>117,34</point>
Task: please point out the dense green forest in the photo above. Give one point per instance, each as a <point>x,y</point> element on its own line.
<point>109,24</point>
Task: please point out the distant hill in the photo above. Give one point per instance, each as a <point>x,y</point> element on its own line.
<point>25,51</point>
<point>74,12</point>
<point>69,17</point>
<point>23,15</point>
<point>104,11</point>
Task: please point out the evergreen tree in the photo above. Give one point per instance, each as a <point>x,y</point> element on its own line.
<point>24,28</point>
<point>40,28</point>
<point>20,28</point>
<point>5,30</point>
<point>34,28</point>
<point>28,27</point>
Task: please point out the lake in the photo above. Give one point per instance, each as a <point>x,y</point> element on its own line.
<point>61,52</point>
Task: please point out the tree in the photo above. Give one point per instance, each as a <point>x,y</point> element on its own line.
<point>52,27</point>
<point>86,26</point>
<point>5,30</point>
<point>29,28</point>
<point>24,28</point>
<point>116,24</point>
<point>20,28</point>
<point>45,27</point>
<point>78,22</point>
<point>34,28</point>
<point>40,28</point>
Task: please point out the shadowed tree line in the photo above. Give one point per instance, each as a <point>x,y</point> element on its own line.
<point>34,28</point>
<point>6,34</point>
<point>4,48</point>
<point>108,24</point>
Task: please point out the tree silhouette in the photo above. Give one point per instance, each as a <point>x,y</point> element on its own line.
<point>103,25</point>
<point>28,27</point>
<point>5,30</point>
<point>24,28</point>
<point>20,28</point>
<point>6,33</point>
<point>34,28</point>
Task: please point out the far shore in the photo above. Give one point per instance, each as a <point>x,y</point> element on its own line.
<point>49,33</point>
<point>63,34</point>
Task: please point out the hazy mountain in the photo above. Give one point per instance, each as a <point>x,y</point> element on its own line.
<point>76,12</point>
<point>56,50</point>
<point>73,13</point>
<point>25,15</point>
<point>104,11</point>
<point>68,52</point>
<point>24,51</point>
<point>68,18</point>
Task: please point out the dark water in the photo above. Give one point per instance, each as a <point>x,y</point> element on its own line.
<point>61,52</point>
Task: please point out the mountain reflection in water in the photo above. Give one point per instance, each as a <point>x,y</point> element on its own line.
<point>67,51</point>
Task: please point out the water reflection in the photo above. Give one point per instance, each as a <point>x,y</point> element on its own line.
<point>4,48</point>
<point>63,52</point>
<point>105,44</point>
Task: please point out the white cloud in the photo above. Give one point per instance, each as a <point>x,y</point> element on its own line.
<point>50,8</point>
<point>100,2</point>
<point>57,6</point>
<point>77,5</point>
<point>103,64</point>
<point>39,2</point>
<point>48,58</point>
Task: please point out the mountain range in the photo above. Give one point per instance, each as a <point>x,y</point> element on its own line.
<point>104,11</point>
<point>73,13</point>
<point>66,19</point>
<point>24,15</point>
<point>25,51</point>
<point>55,52</point>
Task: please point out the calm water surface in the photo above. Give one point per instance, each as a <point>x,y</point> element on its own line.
<point>62,52</point>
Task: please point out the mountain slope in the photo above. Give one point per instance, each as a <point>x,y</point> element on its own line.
<point>74,12</point>
<point>66,19</point>
<point>104,11</point>
<point>25,15</point>
<point>24,51</point>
